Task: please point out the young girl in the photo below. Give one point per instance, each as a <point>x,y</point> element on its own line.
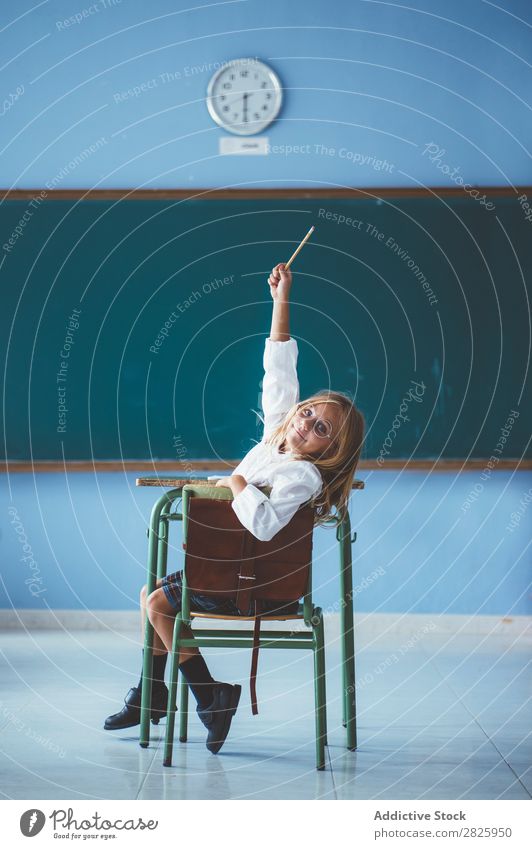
<point>308,453</point>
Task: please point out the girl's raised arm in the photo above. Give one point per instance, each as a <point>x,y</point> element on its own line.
<point>280,387</point>
<point>280,282</point>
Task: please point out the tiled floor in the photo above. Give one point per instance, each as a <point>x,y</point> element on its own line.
<point>446,718</point>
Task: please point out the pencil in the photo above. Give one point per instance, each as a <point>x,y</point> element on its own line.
<point>292,258</point>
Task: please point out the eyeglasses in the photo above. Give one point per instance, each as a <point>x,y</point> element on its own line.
<point>321,427</point>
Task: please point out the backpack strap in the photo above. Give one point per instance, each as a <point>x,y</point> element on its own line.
<point>244,599</point>
<point>246,574</point>
<point>255,658</point>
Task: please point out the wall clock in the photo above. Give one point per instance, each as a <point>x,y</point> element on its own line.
<point>244,96</point>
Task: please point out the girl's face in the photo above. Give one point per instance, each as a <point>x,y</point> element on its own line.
<point>313,428</point>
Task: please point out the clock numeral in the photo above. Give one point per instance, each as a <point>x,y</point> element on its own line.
<point>232,76</point>
<point>264,85</point>
<point>256,116</point>
<point>244,73</point>
<point>265,106</point>
<point>227,85</point>
<point>226,108</point>
<point>269,96</point>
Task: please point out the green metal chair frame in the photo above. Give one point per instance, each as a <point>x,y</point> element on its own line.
<point>210,638</point>
<point>158,535</point>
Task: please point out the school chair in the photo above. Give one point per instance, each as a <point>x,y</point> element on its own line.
<point>223,559</point>
<point>196,494</point>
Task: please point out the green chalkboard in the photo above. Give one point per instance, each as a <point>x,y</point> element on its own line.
<point>134,329</point>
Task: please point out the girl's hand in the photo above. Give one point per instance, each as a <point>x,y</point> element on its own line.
<point>236,483</point>
<point>280,282</point>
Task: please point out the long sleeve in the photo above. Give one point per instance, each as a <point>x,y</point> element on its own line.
<point>280,387</point>
<point>295,482</point>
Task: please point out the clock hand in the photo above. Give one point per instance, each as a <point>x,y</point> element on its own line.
<point>245,98</point>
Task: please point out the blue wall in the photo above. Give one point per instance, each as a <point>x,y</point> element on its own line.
<point>369,78</point>
<point>418,550</point>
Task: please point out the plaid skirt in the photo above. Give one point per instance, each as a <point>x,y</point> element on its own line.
<point>173,589</point>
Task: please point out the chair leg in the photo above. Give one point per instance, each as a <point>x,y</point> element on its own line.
<point>344,686</point>
<point>183,710</point>
<point>349,696</point>
<point>322,679</point>
<point>350,707</point>
<point>172,693</point>
<point>145,701</point>
<point>319,690</point>
<point>157,555</point>
<point>347,635</point>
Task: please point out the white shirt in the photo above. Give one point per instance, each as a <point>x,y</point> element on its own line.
<point>293,481</point>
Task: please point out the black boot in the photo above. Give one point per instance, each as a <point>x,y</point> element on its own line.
<point>130,714</point>
<point>217,702</point>
<point>217,717</point>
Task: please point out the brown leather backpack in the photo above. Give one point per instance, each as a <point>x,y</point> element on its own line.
<point>225,560</point>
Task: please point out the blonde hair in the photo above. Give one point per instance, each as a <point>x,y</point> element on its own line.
<point>338,463</point>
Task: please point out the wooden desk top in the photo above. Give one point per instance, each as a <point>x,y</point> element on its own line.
<point>175,483</point>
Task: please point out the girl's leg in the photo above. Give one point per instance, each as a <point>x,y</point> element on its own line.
<point>217,702</point>
<point>158,645</point>
<point>162,616</point>
<point>191,663</point>
<point>129,715</point>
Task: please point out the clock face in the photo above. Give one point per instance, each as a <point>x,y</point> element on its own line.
<point>244,96</point>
